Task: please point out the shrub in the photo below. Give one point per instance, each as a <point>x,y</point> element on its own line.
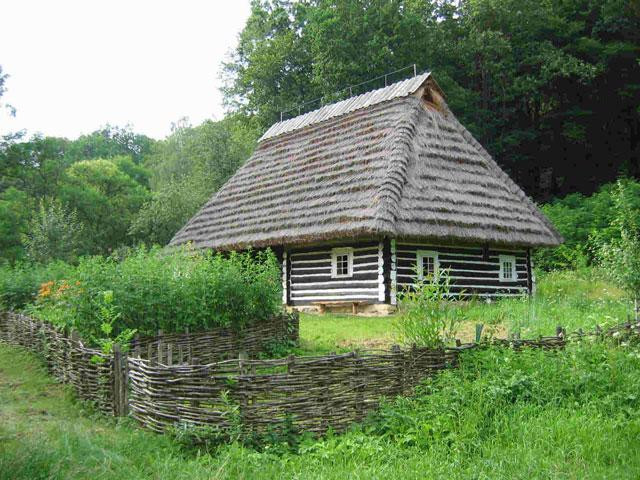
<point>577,218</point>
<point>621,254</point>
<point>54,234</point>
<point>427,317</point>
<point>19,284</point>
<point>153,290</point>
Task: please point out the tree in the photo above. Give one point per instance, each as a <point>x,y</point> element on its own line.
<point>187,167</point>
<point>35,166</point>
<point>106,199</point>
<point>54,233</point>
<point>111,141</point>
<point>168,210</point>
<point>3,89</point>
<point>15,210</point>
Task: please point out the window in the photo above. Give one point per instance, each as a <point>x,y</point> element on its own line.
<point>427,264</point>
<point>508,268</point>
<point>341,262</point>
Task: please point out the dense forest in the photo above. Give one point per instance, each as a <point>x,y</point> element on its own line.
<point>551,88</point>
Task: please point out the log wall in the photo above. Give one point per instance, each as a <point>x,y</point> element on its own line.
<point>471,270</point>
<point>310,278</point>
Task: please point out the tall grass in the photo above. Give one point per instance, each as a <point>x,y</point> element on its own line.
<point>573,299</point>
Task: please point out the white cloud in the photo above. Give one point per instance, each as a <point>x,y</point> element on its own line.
<point>77,65</point>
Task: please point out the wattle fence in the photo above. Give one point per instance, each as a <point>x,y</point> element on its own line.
<point>90,372</point>
<point>209,379</point>
<point>103,379</point>
<point>314,392</point>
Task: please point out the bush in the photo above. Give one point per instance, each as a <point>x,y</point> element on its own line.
<point>54,234</point>
<point>153,290</point>
<point>19,284</point>
<point>578,218</point>
<point>621,255</point>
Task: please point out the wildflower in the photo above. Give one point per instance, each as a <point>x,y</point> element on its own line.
<point>45,289</point>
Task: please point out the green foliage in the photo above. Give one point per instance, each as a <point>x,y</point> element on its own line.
<point>54,233</point>
<point>502,415</point>
<point>14,217</point>
<point>427,317</point>
<point>572,299</point>
<point>106,199</point>
<point>187,167</point>
<point>111,141</point>
<point>621,254</point>
<point>208,438</point>
<point>151,290</point>
<point>20,283</point>
<point>585,222</point>
<point>108,315</point>
<point>497,389</point>
<point>105,193</point>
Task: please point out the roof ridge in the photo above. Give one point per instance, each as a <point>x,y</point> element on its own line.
<point>398,89</point>
<point>401,145</point>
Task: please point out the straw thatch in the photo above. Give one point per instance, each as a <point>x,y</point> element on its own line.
<point>386,163</point>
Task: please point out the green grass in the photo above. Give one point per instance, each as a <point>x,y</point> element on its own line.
<point>341,332</point>
<point>502,415</point>
<point>571,299</point>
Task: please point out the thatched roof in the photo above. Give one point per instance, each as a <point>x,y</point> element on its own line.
<point>393,162</point>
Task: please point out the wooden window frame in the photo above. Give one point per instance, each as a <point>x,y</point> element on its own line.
<point>514,272</point>
<point>335,252</point>
<point>420,254</point>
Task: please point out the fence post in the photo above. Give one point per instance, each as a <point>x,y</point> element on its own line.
<point>291,361</point>
<point>136,348</point>
<point>160,347</point>
<point>399,360</point>
<point>120,380</point>
<point>479,328</point>
<point>3,325</point>
<point>359,387</point>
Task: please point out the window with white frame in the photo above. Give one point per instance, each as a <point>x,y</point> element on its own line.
<point>341,262</point>
<point>508,268</point>
<point>427,264</point>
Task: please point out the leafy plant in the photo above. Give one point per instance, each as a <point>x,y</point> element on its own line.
<point>55,233</point>
<point>202,437</point>
<point>108,314</point>
<point>427,317</point>
<point>621,254</point>
<point>147,290</point>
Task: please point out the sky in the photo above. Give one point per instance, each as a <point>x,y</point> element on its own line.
<point>75,66</point>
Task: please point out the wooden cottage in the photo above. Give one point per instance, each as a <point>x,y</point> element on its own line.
<point>361,196</point>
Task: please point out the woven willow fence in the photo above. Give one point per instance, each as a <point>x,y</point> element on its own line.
<point>163,381</point>
<point>103,379</point>
<point>314,392</point>
<point>87,370</point>
<point>218,344</point>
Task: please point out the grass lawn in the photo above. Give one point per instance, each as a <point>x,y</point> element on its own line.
<point>573,300</point>
<point>340,332</point>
